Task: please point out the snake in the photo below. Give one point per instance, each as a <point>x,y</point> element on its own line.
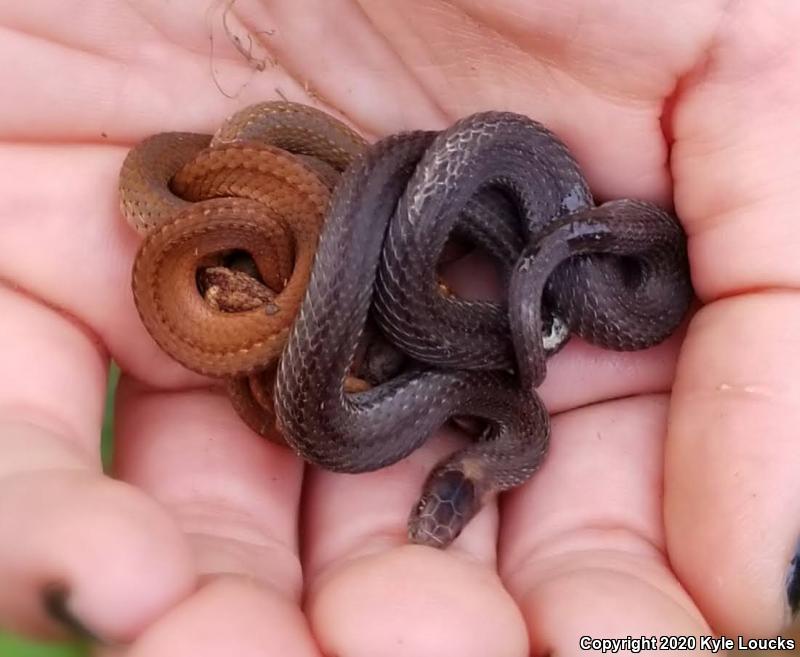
<point>617,273</point>
<point>374,221</point>
<point>261,184</point>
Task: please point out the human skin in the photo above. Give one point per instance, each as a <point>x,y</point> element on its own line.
<point>653,515</point>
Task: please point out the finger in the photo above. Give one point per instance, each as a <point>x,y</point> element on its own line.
<point>354,525</point>
<point>602,92</point>
<point>731,491</point>
<point>369,592</point>
<point>230,615</point>
<point>582,546</point>
<point>61,520</point>
<point>156,76</point>
<point>72,249</point>
<point>199,64</point>
<point>235,496</point>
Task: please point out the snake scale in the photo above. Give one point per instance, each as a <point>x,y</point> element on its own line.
<point>277,249</point>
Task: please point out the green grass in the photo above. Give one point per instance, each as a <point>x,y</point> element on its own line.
<point>107,442</point>
<point>12,646</point>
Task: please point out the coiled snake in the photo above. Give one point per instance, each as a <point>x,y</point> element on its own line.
<point>615,274</point>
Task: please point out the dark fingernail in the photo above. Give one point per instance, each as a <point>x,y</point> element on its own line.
<point>793,582</point>
<point>55,600</point>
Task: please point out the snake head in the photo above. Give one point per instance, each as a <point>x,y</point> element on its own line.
<point>449,501</point>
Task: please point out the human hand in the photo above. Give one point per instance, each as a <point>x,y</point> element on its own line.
<point>631,527</point>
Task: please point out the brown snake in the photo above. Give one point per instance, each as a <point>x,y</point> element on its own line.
<point>616,274</point>
<point>262,183</point>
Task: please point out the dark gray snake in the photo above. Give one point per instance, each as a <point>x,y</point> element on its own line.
<point>615,274</point>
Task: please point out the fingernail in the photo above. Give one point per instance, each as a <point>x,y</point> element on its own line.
<point>54,600</point>
<point>793,582</point>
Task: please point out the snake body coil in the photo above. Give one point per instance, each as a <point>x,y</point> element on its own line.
<point>616,274</point>
<point>260,185</point>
